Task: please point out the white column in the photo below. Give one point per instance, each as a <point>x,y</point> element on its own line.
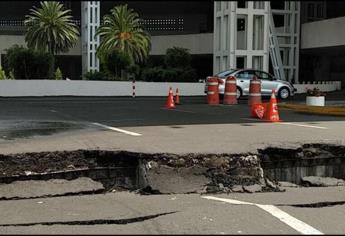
<point>90,21</point>
<point>225,53</point>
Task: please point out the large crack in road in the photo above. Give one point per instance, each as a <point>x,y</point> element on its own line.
<point>315,204</point>
<point>94,222</point>
<point>166,173</point>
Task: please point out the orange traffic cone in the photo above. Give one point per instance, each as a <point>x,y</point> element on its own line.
<point>272,113</point>
<point>170,101</point>
<point>177,98</point>
<point>258,110</point>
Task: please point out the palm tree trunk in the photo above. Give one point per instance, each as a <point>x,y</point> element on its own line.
<point>51,52</point>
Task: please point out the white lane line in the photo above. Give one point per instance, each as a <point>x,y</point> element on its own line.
<point>307,126</point>
<point>291,221</point>
<point>288,123</point>
<point>117,129</point>
<point>231,201</point>
<point>178,110</point>
<point>250,119</point>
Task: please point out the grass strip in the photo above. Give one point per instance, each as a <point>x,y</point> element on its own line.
<point>318,110</point>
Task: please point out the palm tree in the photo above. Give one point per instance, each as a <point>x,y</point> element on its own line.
<point>50,28</point>
<point>121,30</point>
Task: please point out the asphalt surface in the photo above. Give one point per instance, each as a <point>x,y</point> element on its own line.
<point>129,213</point>
<point>67,123</point>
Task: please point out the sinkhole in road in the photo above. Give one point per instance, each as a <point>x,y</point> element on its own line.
<point>166,173</point>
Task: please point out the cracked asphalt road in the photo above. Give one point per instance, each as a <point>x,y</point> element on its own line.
<point>130,213</point>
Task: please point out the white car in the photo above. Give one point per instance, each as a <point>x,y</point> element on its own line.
<point>283,89</point>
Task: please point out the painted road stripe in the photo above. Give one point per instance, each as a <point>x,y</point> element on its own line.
<point>288,123</point>
<point>307,126</point>
<point>117,129</point>
<point>178,110</point>
<point>291,221</point>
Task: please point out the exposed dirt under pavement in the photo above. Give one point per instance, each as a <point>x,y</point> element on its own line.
<point>154,173</point>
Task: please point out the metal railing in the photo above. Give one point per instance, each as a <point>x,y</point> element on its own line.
<point>166,24</point>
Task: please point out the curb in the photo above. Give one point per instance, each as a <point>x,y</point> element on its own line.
<point>326,110</point>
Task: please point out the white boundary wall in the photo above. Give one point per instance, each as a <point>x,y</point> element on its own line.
<point>324,86</point>
<point>23,88</point>
<point>37,88</point>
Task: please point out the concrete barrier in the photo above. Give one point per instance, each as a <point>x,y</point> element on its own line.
<point>37,88</point>
<point>324,86</point>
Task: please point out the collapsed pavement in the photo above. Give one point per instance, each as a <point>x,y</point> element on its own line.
<point>164,173</point>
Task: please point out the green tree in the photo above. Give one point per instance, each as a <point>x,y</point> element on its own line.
<point>58,74</point>
<point>114,62</point>
<point>122,30</point>
<point>177,57</point>
<point>2,74</point>
<point>50,28</point>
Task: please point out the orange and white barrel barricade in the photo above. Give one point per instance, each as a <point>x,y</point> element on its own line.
<point>212,91</point>
<point>230,95</point>
<point>254,91</point>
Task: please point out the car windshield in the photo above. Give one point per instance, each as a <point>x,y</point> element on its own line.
<point>225,73</point>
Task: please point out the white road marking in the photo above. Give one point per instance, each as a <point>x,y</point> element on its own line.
<point>288,123</point>
<point>117,129</point>
<point>178,110</point>
<point>52,110</point>
<point>291,221</point>
<point>231,201</point>
<point>307,126</point>
<point>250,119</point>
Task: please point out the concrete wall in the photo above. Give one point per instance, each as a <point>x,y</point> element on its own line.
<point>197,43</point>
<point>324,86</point>
<point>325,33</point>
<point>21,88</point>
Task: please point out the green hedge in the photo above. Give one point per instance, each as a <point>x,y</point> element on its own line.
<point>95,75</point>
<point>160,74</point>
<point>28,64</point>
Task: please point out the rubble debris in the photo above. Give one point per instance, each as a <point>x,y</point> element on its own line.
<point>253,188</point>
<point>317,181</point>
<point>167,173</point>
<point>285,184</point>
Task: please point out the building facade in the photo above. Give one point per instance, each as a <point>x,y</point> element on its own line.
<point>296,41</point>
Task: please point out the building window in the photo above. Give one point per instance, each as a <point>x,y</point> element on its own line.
<point>259,5</point>
<point>311,10</point>
<point>241,24</point>
<point>241,38</point>
<point>241,62</point>
<point>241,4</point>
<point>258,32</point>
<point>257,62</point>
<point>218,5</point>
<point>319,13</point>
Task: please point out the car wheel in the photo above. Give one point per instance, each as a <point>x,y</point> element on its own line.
<point>284,93</point>
<point>238,93</point>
